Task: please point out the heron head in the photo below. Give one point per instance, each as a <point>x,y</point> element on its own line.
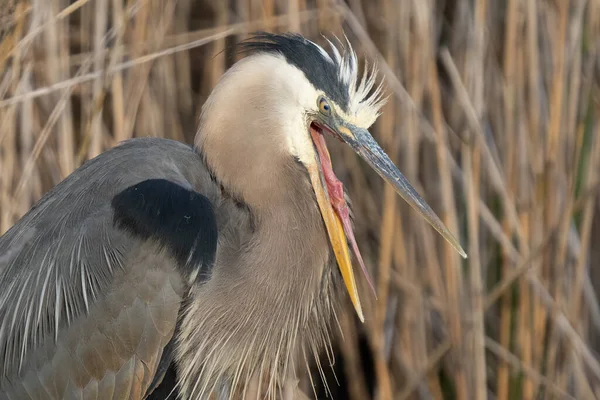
<point>305,93</point>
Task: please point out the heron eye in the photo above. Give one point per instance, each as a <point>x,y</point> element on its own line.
<point>324,106</point>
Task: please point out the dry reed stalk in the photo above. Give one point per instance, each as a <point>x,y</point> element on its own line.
<point>218,61</point>
<point>415,314</point>
<point>293,11</point>
<point>471,157</point>
<point>576,95</point>
<point>385,251</point>
<point>99,24</point>
<point>450,259</point>
<point>587,217</point>
<point>524,335</point>
<point>551,156</point>
<point>474,72</point>
<point>509,173</point>
<point>66,146</point>
<point>8,132</point>
<point>118,99</point>
<point>573,155</point>
<point>590,175</point>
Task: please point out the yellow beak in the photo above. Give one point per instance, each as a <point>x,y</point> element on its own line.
<point>336,234</point>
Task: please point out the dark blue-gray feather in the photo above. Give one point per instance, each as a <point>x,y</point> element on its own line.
<point>181,220</point>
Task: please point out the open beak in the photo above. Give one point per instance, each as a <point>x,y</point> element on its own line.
<point>330,197</point>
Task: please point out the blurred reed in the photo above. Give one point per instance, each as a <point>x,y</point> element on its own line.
<point>493,115</point>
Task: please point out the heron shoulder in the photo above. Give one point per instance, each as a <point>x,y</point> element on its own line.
<point>63,258</point>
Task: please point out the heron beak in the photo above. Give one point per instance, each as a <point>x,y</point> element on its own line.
<point>330,198</point>
<point>364,145</point>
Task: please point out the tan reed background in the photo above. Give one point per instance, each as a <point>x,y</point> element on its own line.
<point>493,115</point>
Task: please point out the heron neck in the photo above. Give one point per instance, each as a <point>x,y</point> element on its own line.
<point>271,294</point>
<point>289,237</point>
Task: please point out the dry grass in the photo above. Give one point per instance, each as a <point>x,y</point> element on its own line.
<point>493,115</point>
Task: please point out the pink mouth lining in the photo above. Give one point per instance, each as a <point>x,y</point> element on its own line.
<point>335,189</point>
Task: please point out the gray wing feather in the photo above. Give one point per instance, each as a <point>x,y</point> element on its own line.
<point>65,260</point>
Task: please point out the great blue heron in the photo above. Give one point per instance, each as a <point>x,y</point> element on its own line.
<point>216,259</point>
